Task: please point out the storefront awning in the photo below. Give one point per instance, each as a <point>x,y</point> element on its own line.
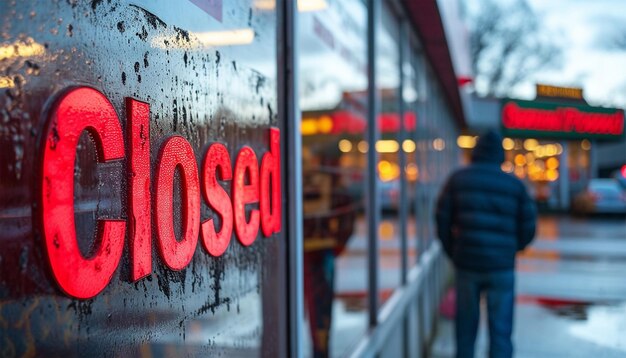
<point>426,19</point>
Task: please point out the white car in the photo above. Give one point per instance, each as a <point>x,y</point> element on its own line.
<point>602,196</point>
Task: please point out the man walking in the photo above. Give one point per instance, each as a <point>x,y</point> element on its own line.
<point>484,217</point>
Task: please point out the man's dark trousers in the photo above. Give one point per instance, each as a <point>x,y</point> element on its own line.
<point>498,288</point>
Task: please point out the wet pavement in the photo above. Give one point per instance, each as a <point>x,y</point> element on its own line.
<point>571,293</point>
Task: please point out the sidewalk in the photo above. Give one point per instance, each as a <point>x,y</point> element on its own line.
<point>557,330</point>
<point>571,293</point>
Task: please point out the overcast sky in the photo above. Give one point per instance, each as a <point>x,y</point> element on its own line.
<point>584,27</point>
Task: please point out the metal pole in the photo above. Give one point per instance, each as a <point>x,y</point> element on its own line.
<point>418,158</point>
<point>289,114</point>
<point>373,207</point>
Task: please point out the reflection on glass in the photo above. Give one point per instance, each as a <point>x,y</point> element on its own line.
<point>333,103</point>
<point>388,147</point>
<point>411,96</point>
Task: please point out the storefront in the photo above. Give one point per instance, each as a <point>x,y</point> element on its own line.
<point>234,178</point>
<point>552,142</point>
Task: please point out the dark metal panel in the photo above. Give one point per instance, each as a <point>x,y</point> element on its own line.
<point>373,205</point>
<point>404,194</point>
<point>289,116</point>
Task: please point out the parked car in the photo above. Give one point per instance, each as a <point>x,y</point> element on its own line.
<point>620,176</point>
<point>602,196</point>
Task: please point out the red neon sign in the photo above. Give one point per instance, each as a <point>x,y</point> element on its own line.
<point>176,152</point>
<point>86,109</point>
<point>565,120</point>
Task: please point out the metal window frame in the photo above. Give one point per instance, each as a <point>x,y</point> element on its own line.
<point>402,136</point>
<point>289,119</point>
<point>372,135</point>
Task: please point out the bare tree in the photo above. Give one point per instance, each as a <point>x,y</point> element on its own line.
<point>507,45</point>
<point>614,38</point>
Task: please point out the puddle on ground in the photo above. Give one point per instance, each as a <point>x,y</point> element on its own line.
<point>601,324</point>
<point>605,326</point>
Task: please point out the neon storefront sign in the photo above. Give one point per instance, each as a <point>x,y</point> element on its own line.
<point>550,120</point>
<point>86,109</point>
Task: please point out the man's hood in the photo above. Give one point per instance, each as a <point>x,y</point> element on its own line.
<point>489,149</point>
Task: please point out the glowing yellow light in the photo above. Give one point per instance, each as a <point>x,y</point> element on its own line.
<point>345,145</point>
<point>552,163</point>
<point>408,146</point>
<point>530,144</point>
<point>519,172</point>
<point>507,167</point>
<point>534,170</point>
<point>552,174</point>
<point>384,165</point>
<point>585,144</point>
<point>520,160</point>
<point>388,171</point>
<point>540,151</point>
<point>308,126</point>
<point>412,171</point>
<point>385,230</point>
<point>21,49</point>
<point>466,141</point>
<point>226,38</point>
<point>387,146</point>
<point>559,149</point>
<point>551,150</point>
<point>530,157</point>
<point>6,82</point>
<point>233,37</point>
<point>508,144</point>
<point>266,5</point>
<point>325,124</point>
<point>312,5</point>
<point>362,146</point>
<point>534,176</point>
<point>439,144</point>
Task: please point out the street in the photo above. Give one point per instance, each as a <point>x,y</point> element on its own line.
<point>571,293</point>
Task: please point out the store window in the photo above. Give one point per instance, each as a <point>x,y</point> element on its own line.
<point>390,124</point>
<point>207,71</point>
<point>333,92</point>
<point>420,154</point>
<point>411,97</point>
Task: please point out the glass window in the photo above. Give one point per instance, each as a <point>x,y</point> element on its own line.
<point>423,141</point>
<point>207,70</point>
<point>333,101</point>
<point>389,123</point>
<point>411,97</point>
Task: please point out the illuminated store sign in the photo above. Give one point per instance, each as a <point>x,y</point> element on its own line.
<point>559,92</point>
<point>86,109</point>
<point>540,119</point>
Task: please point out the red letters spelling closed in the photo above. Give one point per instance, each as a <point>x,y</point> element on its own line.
<point>86,109</point>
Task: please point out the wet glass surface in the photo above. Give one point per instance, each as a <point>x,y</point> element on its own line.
<point>208,71</point>
<point>332,92</point>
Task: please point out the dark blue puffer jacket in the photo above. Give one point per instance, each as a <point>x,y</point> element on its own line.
<point>484,216</point>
